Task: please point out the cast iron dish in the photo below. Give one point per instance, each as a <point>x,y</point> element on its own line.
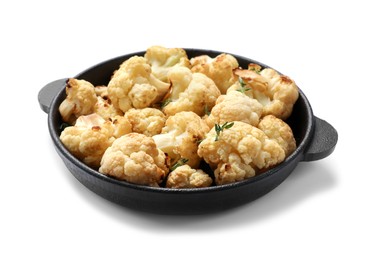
<point>316,139</point>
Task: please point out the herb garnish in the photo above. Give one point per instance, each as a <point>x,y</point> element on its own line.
<point>219,128</point>
<point>180,162</point>
<point>243,87</point>
<point>165,103</point>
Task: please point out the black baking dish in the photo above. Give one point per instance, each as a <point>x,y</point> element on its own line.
<point>316,139</point>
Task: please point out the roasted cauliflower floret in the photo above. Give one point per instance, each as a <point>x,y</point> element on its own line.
<point>133,85</point>
<point>219,69</point>
<point>277,93</point>
<point>163,59</point>
<point>135,158</point>
<point>105,108</point>
<point>80,100</point>
<point>121,126</point>
<point>238,152</point>
<point>235,106</point>
<point>279,131</point>
<point>88,138</point>
<point>180,137</point>
<point>147,121</point>
<point>186,177</point>
<point>190,92</point>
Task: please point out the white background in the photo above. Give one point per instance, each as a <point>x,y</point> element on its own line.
<point>322,211</point>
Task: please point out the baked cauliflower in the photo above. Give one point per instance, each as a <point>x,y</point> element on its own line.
<point>237,151</point>
<point>219,69</point>
<point>186,177</point>
<point>279,131</point>
<point>163,59</point>
<point>80,100</point>
<point>277,93</point>
<point>135,158</point>
<point>235,106</point>
<point>190,92</point>
<point>88,138</point>
<point>147,121</point>
<point>180,137</point>
<point>134,86</point>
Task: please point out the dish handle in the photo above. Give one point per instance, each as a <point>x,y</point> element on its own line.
<point>323,142</point>
<point>48,93</point>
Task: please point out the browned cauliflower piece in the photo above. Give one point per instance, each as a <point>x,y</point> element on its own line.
<point>163,59</point>
<point>279,131</point>
<point>80,100</point>
<point>238,152</point>
<point>277,93</point>
<point>219,69</point>
<point>147,121</point>
<point>135,158</point>
<point>88,138</point>
<point>121,126</point>
<point>235,106</point>
<point>105,108</point>
<point>186,177</point>
<point>180,136</point>
<point>190,92</point>
<point>133,85</point>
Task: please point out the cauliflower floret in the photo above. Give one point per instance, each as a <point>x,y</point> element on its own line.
<point>186,177</point>
<point>279,131</point>
<point>80,100</point>
<point>163,59</point>
<point>135,158</point>
<point>105,108</point>
<point>121,126</point>
<point>219,69</point>
<point>133,85</point>
<point>190,92</point>
<point>235,106</point>
<point>147,121</point>
<point>238,152</point>
<point>88,138</point>
<point>277,93</point>
<point>180,136</point>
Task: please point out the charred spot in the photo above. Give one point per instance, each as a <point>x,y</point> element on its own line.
<point>96,128</point>
<point>227,167</point>
<point>285,79</point>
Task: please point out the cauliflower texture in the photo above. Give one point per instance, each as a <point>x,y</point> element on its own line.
<point>133,85</point>
<point>239,152</point>
<point>135,158</point>
<point>235,106</point>
<point>186,177</point>
<point>163,59</point>
<point>180,136</point>
<point>277,130</point>
<point>190,92</point>
<point>277,93</point>
<point>147,121</point>
<point>88,139</point>
<point>105,108</point>
<point>80,100</point>
<point>219,69</point>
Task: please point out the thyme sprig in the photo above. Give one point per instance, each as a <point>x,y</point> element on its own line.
<point>180,162</point>
<point>243,86</point>
<point>219,129</point>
